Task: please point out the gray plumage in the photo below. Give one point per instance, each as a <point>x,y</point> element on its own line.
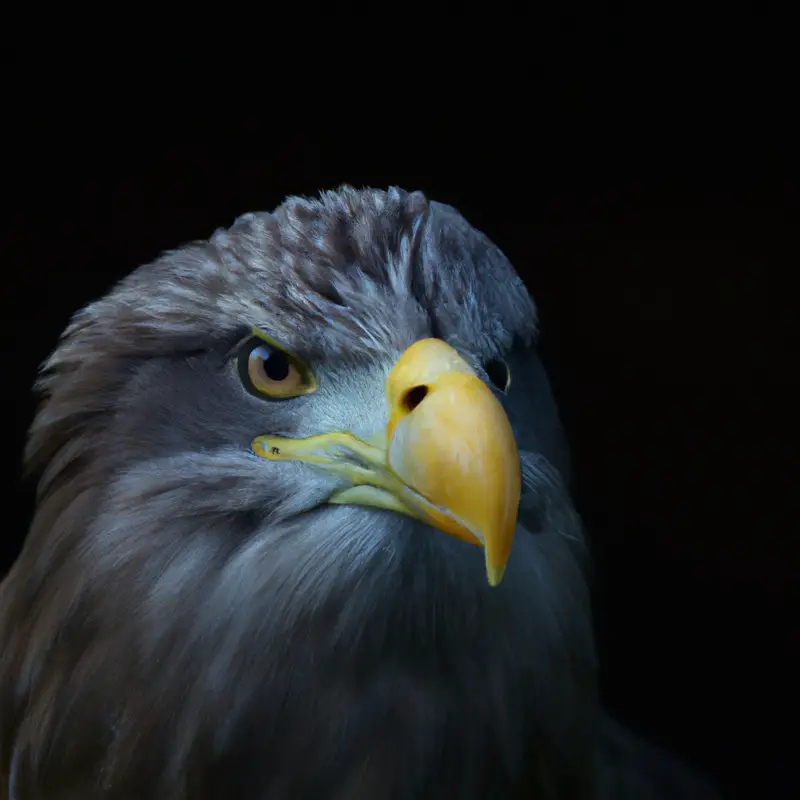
<point>186,620</point>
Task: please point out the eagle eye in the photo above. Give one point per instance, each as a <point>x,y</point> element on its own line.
<point>267,371</point>
<point>498,373</point>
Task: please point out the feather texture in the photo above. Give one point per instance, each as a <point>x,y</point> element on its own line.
<point>187,620</point>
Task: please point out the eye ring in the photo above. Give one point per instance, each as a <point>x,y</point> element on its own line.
<point>267,371</point>
<point>498,373</point>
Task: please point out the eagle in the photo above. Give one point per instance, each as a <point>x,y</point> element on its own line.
<point>304,529</point>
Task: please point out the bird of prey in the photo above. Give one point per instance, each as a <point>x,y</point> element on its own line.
<point>304,530</point>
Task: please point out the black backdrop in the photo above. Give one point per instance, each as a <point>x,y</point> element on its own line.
<point>659,248</point>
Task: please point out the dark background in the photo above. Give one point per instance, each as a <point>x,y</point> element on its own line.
<point>647,201</point>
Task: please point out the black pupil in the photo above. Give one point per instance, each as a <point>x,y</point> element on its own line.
<point>498,373</point>
<point>276,366</point>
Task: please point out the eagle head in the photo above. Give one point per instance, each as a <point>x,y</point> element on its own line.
<point>302,527</point>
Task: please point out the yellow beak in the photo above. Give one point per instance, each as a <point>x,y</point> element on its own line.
<point>450,456</point>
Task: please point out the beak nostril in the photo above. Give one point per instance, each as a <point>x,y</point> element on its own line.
<point>413,397</point>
